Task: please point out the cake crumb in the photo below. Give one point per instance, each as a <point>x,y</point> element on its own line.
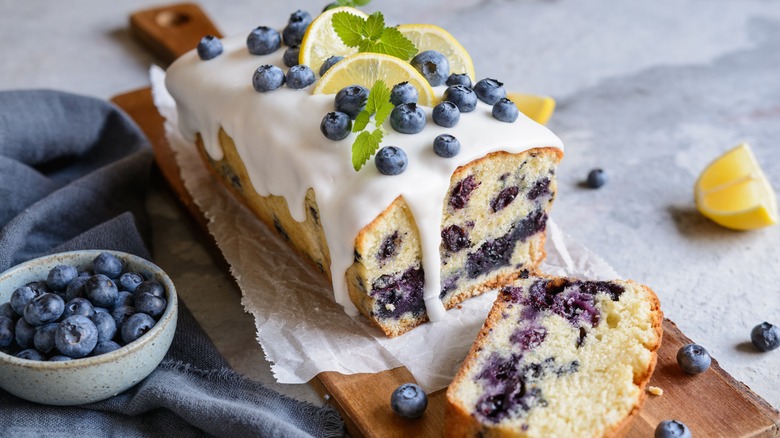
<point>390,306</point>
<point>654,390</point>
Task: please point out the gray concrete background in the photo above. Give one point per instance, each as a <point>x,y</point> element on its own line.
<point>650,91</point>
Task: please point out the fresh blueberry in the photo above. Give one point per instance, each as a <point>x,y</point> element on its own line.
<point>39,287</point>
<point>44,337</point>
<point>8,311</point>
<point>489,90</point>
<point>409,401</point>
<point>101,290</point>
<point>60,358</point>
<point>108,265</point>
<point>672,429</point>
<point>765,336</point>
<point>446,114</point>
<point>44,309</point>
<point>290,56</point>
<point>105,324</point>
<point>351,100</point>
<point>505,110</point>
<point>391,160</point>
<point>404,93</point>
<point>102,310</point>
<point>693,359</point>
<point>121,314</point>
<point>209,47</point>
<point>150,304</point>
<point>123,298</point>
<point>407,118</point>
<point>150,286</point>
<point>300,76</point>
<point>76,336</point>
<point>31,354</point>
<point>78,306</point>
<point>6,331</point>
<point>596,178</point>
<point>60,276</point>
<point>105,347</point>
<point>267,78</point>
<point>263,40</point>
<point>21,297</point>
<point>75,288</point>
<point>462,96</point>
<point>136,326</point>
<point>433,66</point>
<point>336,125</point>
<point>296,28</point>
<point>330,62</point>
<point>459,79</point>
<point>130,280</point>
<point>446,146</point>
<point>24,332</point>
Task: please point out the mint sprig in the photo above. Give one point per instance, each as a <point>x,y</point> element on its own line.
<point>371,35</point>
<point>367,142</point>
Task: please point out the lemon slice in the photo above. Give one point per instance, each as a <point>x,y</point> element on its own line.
<point>320,41</point>
<point>366,68</point>
<point>733,191</point>
<point>537,108</point>
<point>430,37</point>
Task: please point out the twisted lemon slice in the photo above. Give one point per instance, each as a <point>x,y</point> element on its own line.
<point>320,41</point>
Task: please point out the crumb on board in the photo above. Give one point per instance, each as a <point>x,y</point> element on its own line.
<point>654,390</point>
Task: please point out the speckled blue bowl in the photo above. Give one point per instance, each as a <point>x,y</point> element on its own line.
<point>88,379</point>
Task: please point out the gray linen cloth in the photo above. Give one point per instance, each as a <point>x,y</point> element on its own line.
<point>73,175</point>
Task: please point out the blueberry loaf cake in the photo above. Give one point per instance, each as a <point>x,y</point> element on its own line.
<point>558,357</point>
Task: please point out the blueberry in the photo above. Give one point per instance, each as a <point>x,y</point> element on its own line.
<point>454,238</point>
<point>300,76</point>
<point>150,304</point>
<point>60,276</point>
<point>60,358</point>
<point>263,40</point>
<point>693,359</point>
<point>21,297</point>
<point>105,324</point>
<point>409,401</point>
<point>446,114</point>
<point>24,332</point>
<point>44,337</point>
<point>105,347</point>
<point>150,286</point>
<point>290,56</point>
<point>8,311</point>
<point>489,90</point>
<point>130,280</point>
<point>76,336</point>
<point>121,314</point>
<point>75,288</point>
<point>351,100</point>
<point>433,66</point>
<point>391,160</point>
<point>136,326</point>
<point>407,118</point>
<point>44,309</point>
<point>101,290</point>
<point>30,354</point>
<point>209,47</point>
<point>123,298</point>
<point>505,110</point>
<point>459,79</point>
<point>108,265</point>
<point>296,28</point>
<point>404,93</point>
<point>446,146</point>
<point>6,331</point>
<point>267,78</point>
<point>765,336</point>
<point>596,178</point>
<point>39,287</point>
<point>336,125</point>
<point>672,429</point>
<point>78,306</point>
<point>330,62</point>
<point>462,96</point>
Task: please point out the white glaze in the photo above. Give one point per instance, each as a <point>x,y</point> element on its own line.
<point>278,138</point>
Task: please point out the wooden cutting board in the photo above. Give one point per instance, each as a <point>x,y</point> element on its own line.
<point>711,404</point>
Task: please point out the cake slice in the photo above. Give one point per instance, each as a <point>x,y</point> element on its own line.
<point>558,357</point>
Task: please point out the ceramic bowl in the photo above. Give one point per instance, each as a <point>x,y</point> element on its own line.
<point>89,379</point>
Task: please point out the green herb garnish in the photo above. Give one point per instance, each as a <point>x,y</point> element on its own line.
<point>367,142</point>
<point>371,35</point>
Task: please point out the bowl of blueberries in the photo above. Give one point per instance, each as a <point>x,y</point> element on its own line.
<point>80,327</point>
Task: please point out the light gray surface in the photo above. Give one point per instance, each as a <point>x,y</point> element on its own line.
<point>650,91</point>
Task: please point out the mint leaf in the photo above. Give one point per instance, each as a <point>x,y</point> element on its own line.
<point>361,2</point>
<point>371,35</point>
<point>361,150</point>
<point>378,94</point>
<point>382,113</point>
<point>394,43</point>
<point>361,121</point>
<point>349,28</point>
<point>375,26</point>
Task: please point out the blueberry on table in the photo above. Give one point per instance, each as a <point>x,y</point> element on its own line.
<point>300,76</point>
<point>24,333</point>
<point>44,337</point>
<point>402,93</point>
<point>433,66</point>
<point>78,306</point>
<point>330,62</point>
<point>446,146</point>
<point>290,56</point>
<point>105,347</point>
<point>693,359</point>
<point>6,331</point>
<point>489,90</point>
<point>409,401</point>
<point>446,114</point>
<point>105,324</point>
<point>596,178</point>
<point>459,79</point>
<point>44,309</point>
<point>130,280</point>
<point>407,118</point>
<point>60,276</point>
<point>151,305</point>
<point>76,336</point>
<point>30,354</point>
<point>336,125</point>
<point>391,160</point>
<point>765,336</point>
<point>351,100</point>
<point>101,290</point>
<point>21,297</point>
<point>209,47</point>
<point>107,264</point>
<point>462,96</point>
<point>267,78</point>
<point>505,110</point>
<point>263,40</point>
<point>672,429</point>
<point>136,326</point>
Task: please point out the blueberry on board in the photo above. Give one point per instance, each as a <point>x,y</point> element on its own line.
<point>407,118</point>
<point>150,286</point>
<point>296,28</point>
<point>765,336</point>
<point>446,114</point>
<point>489,90</point>
<point>351,100</point>
<point>101,290</point>
<point>121,314</point>
<point>6,331</point>
<point>330,62</point>
<point>300,76</point>
<point>76,336</point>
<point>107,264</point>
<point>24,332</point>
<point>75,288</point>
<point>136,326</point>
<point>150,305</point>
<point>30,354</point>
<point>290,56</point>
<point>596,178</point>
<point>459,79</point>
<point>433,66</point>
<point>43,340</point>
<point>402,93</point>
<point>505,110</point>
<point>44,309</point>
<point>267,78</point>
<point>693,359</point>
<point>123,298</point>
<point>672,429</point>
<point>263,40</point>
<point>105,324</point>
<point>104,347</point>
<point>21,297</point>
<point>336,125</point>
<point>446,146</point>
<point>8,311</point>
<point>130,280</point>
<point>209,47</point>
<point>409,401</point>
<point>390,160</point>
<point>462,96</point>
<point>60,358</point>
<point>60,276</point>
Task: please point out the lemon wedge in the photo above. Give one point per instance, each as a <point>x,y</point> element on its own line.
<point>320,41</point>
<point>366,68</point>
<point>430,37</point>
<point>733,191</point>
<point>537,108</point>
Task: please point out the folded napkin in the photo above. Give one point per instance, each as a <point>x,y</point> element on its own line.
<point>73,175</point>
